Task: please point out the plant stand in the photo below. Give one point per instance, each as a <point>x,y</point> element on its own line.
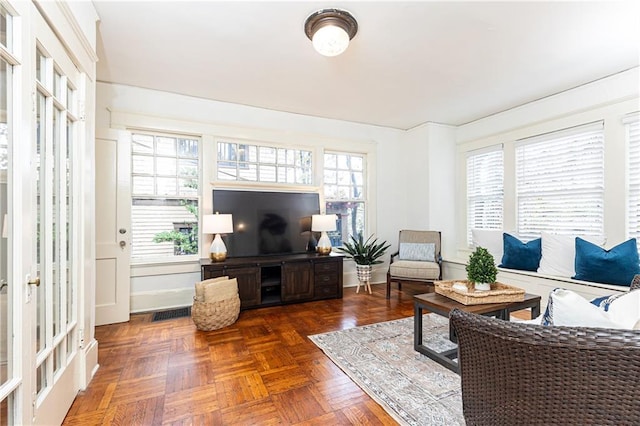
<point>363,273</point>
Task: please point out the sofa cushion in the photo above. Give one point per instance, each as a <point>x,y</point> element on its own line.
<point>200,286</point>
<point>567,308</point>
<point>418,251</point>
<point>416,270</point>
<point>615,266</point>
<point>559,253</point>
<point>520,255</point>
<point>489,239</point>
<point>220,290</point>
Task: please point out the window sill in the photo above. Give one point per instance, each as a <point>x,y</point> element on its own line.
<point>165,267</point>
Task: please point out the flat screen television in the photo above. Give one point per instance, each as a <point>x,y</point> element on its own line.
<point>268,223</point>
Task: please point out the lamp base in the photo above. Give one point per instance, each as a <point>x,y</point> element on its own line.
<point>324,244</point>
<point>323,250</point>
<point>218,257</point>
<point>218,251</point>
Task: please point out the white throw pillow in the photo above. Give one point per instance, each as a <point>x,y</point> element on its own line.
<point>491,240</point>
<point>559,253</point>
<point>571,309</point>
<point>625,309</point>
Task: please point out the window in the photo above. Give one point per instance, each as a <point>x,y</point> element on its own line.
<point>344,192</point>
<point>560,182</point>
<point>259,163</point>
<point>164,188</point>
<point>485,189</point>
<point>632,125</point>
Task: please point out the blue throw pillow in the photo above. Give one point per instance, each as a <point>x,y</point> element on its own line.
<point>615,266</point>
<point>519,255</point>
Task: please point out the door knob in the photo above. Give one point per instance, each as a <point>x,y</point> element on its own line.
<point>35,281</point>
<point>122,244</point>
<point>122,231</point>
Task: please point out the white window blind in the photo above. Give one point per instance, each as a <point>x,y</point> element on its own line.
<point>560,182</point>
<point>632,124</point>
<point>485,190</point>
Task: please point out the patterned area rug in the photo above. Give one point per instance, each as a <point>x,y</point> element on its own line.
<point>380,358</point>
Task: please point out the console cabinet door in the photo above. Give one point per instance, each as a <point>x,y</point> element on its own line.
<point>327,279</point>
<point>297,281</point>
<point>248,285</point>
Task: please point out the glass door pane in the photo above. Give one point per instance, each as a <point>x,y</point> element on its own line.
<point>5,316</point>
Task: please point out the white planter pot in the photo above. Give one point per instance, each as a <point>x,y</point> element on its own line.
<point>363,272</point>
<point>482,286</point>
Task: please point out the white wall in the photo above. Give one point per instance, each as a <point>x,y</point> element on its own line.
<point>415,176</point>
<point>429,174</point>
<point>121,106</point>
<point>609,99</point>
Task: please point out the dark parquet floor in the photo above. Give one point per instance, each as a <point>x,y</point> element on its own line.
<point>263,370</point>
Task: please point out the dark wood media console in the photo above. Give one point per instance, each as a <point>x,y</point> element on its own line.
<point>276,280</point>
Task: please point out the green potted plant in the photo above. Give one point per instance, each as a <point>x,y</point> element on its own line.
<point>481,269</point>
<point>364,254</point>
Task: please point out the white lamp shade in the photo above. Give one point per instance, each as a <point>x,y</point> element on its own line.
<point>330,40</point>
<point>323,222</point>
<point>217,224</point>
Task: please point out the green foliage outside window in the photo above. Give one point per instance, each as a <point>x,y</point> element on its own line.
<point>184,242</point>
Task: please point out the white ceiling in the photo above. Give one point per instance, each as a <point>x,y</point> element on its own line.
<point>410,62</point>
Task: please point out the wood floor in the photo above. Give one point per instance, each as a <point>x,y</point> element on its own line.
<point>261,370</point>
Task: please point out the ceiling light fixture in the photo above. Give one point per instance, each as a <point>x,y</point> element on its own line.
<point>330,30</point>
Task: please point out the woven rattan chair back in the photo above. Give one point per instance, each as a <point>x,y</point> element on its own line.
<point>514,374</point>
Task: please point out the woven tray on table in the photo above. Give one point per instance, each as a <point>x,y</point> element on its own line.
<point>499,293</point>
<point>209,316</point>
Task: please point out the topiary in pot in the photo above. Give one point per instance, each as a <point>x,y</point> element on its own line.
<point>481,269</point>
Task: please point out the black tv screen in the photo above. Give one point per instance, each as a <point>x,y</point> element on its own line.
<point>267,223</point>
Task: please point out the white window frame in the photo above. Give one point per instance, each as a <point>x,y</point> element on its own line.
<point>302,176</point>
<point>485,185</point>
<point>147,260</point>
<point>632,138</point>
<point>563,186</point>
<point>364,199</point>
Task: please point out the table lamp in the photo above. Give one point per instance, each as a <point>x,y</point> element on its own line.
<point>323,223</point>
<point>217,224</point>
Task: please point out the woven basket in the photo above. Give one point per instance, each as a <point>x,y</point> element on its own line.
<point>499,293</point>
<point>209,316</point>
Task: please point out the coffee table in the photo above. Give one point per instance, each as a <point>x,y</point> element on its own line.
<point>442,305</point>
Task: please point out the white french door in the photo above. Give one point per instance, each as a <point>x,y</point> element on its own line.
<point>40,127</point>
<point>53,295</point>
<point>11,368</point>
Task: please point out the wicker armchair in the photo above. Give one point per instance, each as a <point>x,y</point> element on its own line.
<point>635,284</point>
<point>515,373</point>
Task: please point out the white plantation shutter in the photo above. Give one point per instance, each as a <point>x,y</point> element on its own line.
<point>632,124</point>
<point>560,182</point>
<point>485,189</point>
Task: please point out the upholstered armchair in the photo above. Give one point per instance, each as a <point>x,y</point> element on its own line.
<point>418,259</point>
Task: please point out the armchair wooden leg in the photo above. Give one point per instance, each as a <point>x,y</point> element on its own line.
<point>388,286</point>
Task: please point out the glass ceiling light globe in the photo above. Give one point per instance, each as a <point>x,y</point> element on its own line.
<point>330,30</point>
<point>330,40</point>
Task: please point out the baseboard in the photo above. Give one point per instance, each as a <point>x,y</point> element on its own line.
<point>350,279</point>
<point>91,365</point>
<point>159,300</point>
